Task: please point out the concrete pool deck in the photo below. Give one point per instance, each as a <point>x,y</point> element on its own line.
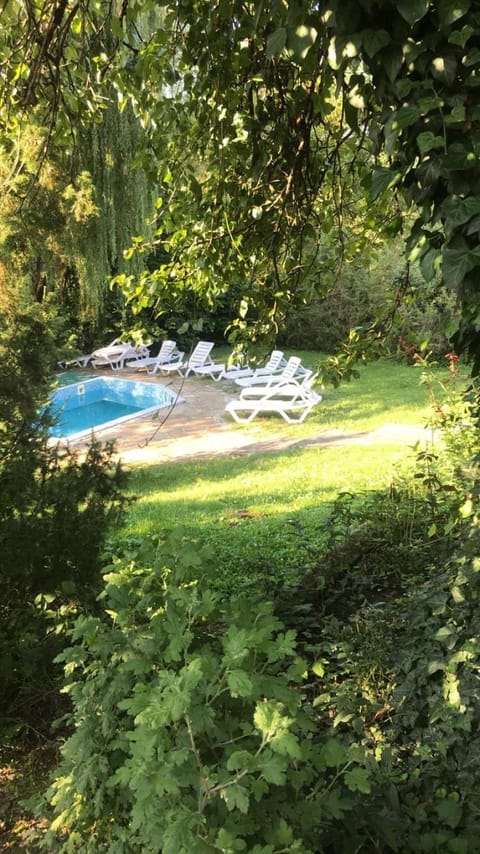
<point>199,428</point>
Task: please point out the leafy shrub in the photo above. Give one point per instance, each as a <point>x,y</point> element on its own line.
<point>196,728</point>
<point>55,510</point>
<point>192,730</point>
<point>404,684</point>
<point>417,314</point>
<point>376,542</point>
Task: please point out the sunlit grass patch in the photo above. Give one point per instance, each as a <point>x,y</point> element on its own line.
<point>263,516</point>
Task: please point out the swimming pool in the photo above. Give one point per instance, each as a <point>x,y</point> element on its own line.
<point>104,402</point>
<point>73,376</point>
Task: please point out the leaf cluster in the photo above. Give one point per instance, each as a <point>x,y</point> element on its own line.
<point>191,728</point>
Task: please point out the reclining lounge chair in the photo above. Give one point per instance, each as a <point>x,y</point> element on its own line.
<point>293,368</point>
<point>116,354</point>
<point>291,399</point>
<point>275,364</point>
<point>151,364</point>
<point>199,358</point>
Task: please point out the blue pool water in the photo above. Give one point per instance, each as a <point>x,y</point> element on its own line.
<point>103,402</point>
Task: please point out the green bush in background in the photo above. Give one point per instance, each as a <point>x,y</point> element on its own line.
<point>417,313</point>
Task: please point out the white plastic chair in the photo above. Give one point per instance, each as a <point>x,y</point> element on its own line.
<point>200,357</point>
<point>115,355</point>
<point>78,361</point>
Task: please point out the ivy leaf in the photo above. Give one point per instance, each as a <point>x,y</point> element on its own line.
<point>444,68</point>
<point>456,116</point>
<point>459,211</point>
<point>428,264</point>
<point>358,780</point>
<point>449,12</point>
<point>375,40</point>
<point>429,103</point>
<point>460,157</point>
<point>276,43</point>
<point>406,116</point>
<point>427,141</point>
<point>445,632</point>
<point>472,57</point>
<point>412,10</point>
<point>457,262</point>
<point>300,41</point>
<point>461,37</point>
<point>382,179</point>
<point>392,61</point>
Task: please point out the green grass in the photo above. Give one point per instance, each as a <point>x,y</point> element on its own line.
<point>264,515</point>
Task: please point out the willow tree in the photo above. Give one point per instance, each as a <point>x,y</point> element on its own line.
<point>72,193</point>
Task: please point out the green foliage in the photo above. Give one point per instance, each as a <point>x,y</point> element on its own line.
<point>262,125</point>
<point>191,728</point>
<point>55,510</point>
<point>416,315</point>
<point>375,543</point>
<point>391,614</point>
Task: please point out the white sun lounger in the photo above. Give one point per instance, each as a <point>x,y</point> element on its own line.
<point>151,364</point>
<point>293,368</point>
<point>291,399</point>
<point>77,361</point>
<point>275,364</point>
<point>115,356</point>
<point>200,357</point>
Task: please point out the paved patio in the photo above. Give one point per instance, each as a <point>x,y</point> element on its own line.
<point>199,427</point>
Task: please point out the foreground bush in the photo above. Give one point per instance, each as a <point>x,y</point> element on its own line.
<point>55,510</point>
<point>193,731</point>
<point>199,728</point>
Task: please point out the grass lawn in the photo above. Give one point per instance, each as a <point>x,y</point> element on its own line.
<point>264,515</point>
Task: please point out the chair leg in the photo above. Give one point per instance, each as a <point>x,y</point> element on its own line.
<point>241,419</point>
<point>301,415</point>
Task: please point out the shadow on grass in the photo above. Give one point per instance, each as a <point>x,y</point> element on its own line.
<point>262,518</point>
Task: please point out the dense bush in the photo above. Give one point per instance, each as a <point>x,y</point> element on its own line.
<point>417,314</point>
<point>55,510</point>
<point>198,727</point>
<point>193,729</point>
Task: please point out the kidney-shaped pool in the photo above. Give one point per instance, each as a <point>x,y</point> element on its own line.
<point>104,402</point>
